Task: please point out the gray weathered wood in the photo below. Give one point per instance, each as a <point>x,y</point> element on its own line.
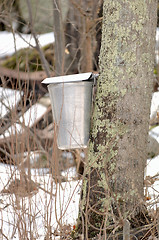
<point>126,230</point>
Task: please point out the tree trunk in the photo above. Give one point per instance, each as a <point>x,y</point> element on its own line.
<point>114,173</point>
<point>59,38</point>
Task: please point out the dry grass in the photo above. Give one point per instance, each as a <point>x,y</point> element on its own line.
<point>33,187</point>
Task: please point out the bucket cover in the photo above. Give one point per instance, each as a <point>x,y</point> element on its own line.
<point>69,78</point>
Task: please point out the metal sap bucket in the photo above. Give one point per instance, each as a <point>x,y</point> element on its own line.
<point>71,100</point>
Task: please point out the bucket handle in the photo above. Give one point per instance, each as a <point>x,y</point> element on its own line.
<point>95,76</point>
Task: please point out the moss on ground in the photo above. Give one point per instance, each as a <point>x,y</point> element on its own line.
<point>28,59</point>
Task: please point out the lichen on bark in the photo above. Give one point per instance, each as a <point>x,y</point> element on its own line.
<point>114,172</point>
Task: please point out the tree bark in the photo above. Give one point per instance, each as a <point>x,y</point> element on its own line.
<point>114,172</point>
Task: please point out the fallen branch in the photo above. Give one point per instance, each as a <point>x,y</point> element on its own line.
<point>24,76</point>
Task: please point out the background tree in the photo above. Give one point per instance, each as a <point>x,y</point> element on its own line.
<point>11,18</point>
<point>82,25</point>
<point>59,38</point>
<point>113,185</point>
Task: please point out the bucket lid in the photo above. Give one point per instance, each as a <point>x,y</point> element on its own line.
<point>69,78</point>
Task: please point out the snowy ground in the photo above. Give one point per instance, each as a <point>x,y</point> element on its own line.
<point>35,213</point>
<point>10,42</point>
<point>40,210</point>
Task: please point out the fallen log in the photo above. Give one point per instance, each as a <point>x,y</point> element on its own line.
<point>24,76</point>
<point>10,78</point>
